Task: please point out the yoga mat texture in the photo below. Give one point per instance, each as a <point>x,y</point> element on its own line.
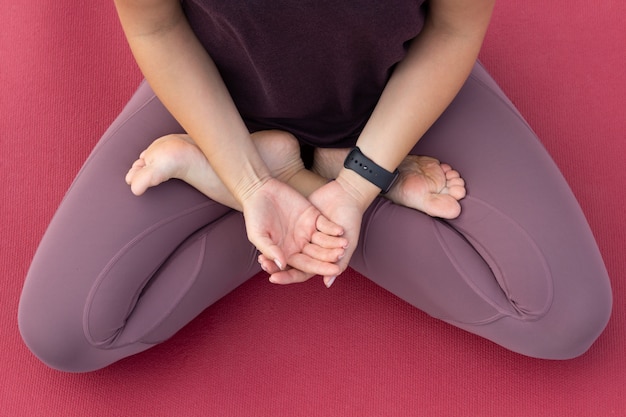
<point>304,350</point>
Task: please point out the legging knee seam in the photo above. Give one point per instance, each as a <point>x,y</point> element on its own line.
<point>114,260</point>
<point>499,274</point>
<point>453,260</point>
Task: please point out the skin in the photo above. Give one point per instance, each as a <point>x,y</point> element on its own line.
<point>280,221</point>
<point>424,183</point>
<point>177,156</point>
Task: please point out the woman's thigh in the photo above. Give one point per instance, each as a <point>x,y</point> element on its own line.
<point>520,265</point>
<point>116,273</point>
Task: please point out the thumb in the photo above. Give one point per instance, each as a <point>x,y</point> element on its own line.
<point>272,252</point>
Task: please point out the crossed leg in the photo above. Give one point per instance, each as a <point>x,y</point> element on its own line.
<point>115,274</point>
<point>424,183</point>
<point>519,266</point>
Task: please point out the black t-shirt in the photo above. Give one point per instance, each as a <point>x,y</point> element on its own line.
<point>315,68</point>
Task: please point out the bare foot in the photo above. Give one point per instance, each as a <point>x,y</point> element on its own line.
<point>171,156</point>
<point>424,183</point>
<point>177,156</point>
<point>429,186</point>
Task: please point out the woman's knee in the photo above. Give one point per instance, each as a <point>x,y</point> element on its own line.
<point>583,327</point>
<point>54,347</point>
<point>64,346</point>
<point>53,331</point>
<point>567,330</point>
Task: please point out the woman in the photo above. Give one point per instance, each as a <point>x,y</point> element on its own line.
<point>241,87</point>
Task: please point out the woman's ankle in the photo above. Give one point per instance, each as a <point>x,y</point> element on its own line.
<point>327,162</point>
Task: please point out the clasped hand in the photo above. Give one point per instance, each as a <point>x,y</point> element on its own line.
<point>298,237</point>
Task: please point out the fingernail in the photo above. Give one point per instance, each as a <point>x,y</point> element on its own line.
<point>278,264</point>
<point>330,281</point>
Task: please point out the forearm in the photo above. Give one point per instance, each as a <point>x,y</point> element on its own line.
<point>186,80</point>
<point>422,86</point>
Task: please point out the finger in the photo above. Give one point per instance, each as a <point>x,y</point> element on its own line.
<point>328,227</point>
<point>325,241</point>
<point>294,276</point>
<point>268,265</point>
<point>331,255</point>
<point>343,265</point>
<point>328,281</point>
<point>290,276</point>
<point>271,251</point>
<point>313,266</point>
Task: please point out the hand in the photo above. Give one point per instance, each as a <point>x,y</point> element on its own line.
<point>343,209</point>
<point>289,230</point>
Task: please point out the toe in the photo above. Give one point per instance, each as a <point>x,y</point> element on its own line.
<point>444,206</point>
<point>142,179</point>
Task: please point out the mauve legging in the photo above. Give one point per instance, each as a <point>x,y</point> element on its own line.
<point>116,274</point>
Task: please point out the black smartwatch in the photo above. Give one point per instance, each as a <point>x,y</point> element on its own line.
<point>369,170</point>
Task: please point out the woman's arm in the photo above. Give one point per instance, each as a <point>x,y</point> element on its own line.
<point>280,222</point>
<point>422,86</point>
<point>184,77</point>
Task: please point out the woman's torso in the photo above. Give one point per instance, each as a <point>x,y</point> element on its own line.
<point>314,68</point>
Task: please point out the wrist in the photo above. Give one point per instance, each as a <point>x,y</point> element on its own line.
<point>250,180</point>
<point>360,189</point>
<point>358,162</point>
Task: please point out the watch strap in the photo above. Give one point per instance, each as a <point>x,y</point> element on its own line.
<point>368,169</point>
